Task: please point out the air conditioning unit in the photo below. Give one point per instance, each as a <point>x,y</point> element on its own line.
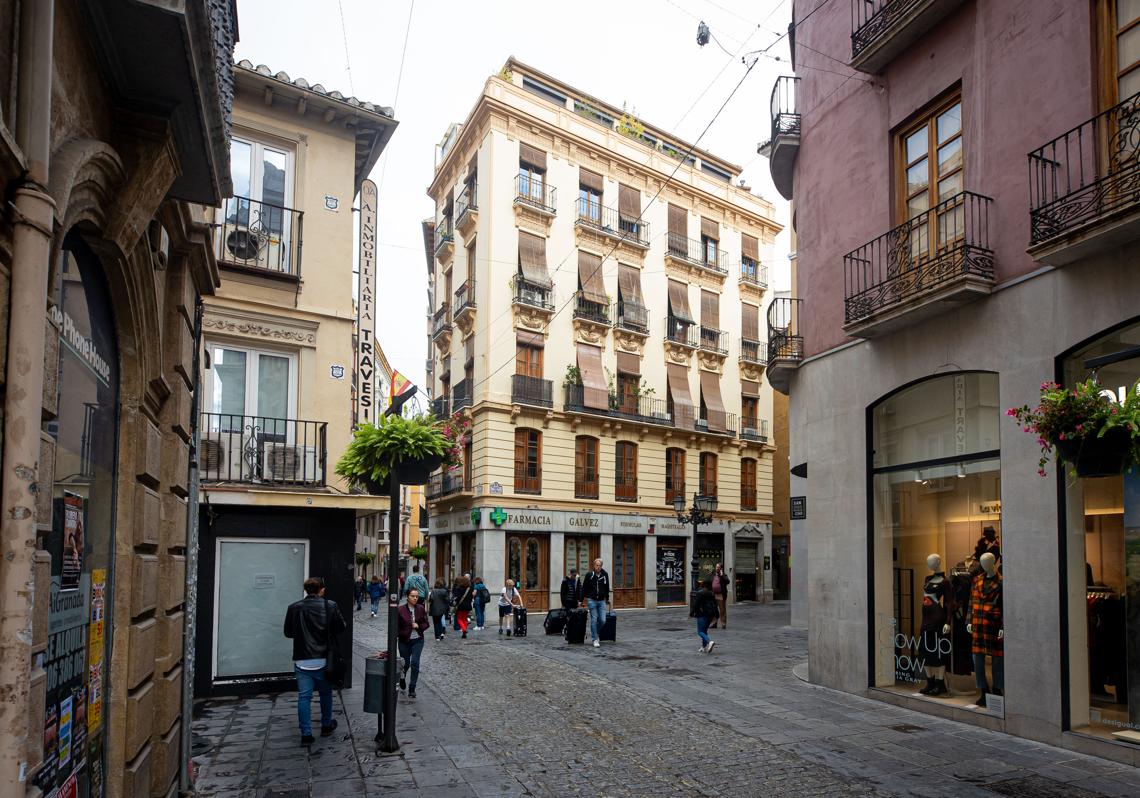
<point>246,244</point>
<point>221,457</point>
<point>285,462</point>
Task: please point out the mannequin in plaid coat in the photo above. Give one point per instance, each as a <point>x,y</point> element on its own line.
<point>986,626</point>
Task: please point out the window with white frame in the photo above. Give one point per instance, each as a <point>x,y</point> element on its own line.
<point>245,384</point>
<point>258,220</point>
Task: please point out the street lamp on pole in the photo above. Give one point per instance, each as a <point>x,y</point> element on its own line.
<point>700,513</point>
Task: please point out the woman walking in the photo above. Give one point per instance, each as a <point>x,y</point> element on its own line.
<point>509,598</point>
<point>438,604</point>
<point>375,593</point>
<point>482,599</point>
<point>706,612</point>
<point>464,596</point>
<point>411,625</point>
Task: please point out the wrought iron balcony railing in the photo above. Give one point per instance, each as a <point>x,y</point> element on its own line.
<point>585,487</point>
<point>609,221</point>
<point>532,190</point>
<point>754,429</point>
<point>536,296</point>
<point>753,352</point>
<point>753,273</point>
<point>461,395</point>
<point>465,297</point>
<point>466,201</point>
<point>441,321</point>
<point>533,391</point>
<point>785,112</point>
<point>625,488</point>
<point>680,332</point>
<point>785,341</point>
<point>446,484</point>
<point>631,316</point>
<point>747,497</point>
<point>441,406</point>
<point>949,241</point>
<point>696,253</point>
<point>1087,173</point>
<point>714,340</point>
<point>716,421</point>
<point>262,451</point>
<point>591,310</point>
<point>259,235</point>
<point>644,408</point>
<point>444,234</point>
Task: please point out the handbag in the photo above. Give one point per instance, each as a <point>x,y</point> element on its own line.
<point>335,666</point>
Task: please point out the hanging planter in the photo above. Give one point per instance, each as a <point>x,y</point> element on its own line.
<point>1085,428</point>
<point>406,449</point>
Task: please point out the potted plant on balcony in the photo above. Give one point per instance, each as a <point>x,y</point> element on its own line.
<point>414,446</point>
<point>1084,427</point>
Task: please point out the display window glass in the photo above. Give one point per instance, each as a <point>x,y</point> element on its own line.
<point>937,630</point>
<point>1102,545</point>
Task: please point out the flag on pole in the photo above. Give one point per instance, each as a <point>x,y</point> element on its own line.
<point>401,391</point>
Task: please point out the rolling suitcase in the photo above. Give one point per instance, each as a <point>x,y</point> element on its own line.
<point>576,621</point>
<point>520,621</point>
<point>609,628</point>
<point>555,621</point>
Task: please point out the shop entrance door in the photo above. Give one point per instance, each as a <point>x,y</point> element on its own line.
<point>528,563</point>
<point>443,560</point>
<point>781,568</point>
<point>629,572</point>
<point>744,572</point>
<point>581,553</point>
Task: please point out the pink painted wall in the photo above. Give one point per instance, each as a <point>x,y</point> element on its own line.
<point>1026,72</point>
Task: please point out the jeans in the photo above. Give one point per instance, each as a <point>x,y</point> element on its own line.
<point>307,681</point>
<point>480,615</point>
<point>997,664</point>
<point>703,629</point>
<point>437,624</point>
<point>410,651</point>
<point>359,600</point>
<point>375,606</point>
<point>597,616</point>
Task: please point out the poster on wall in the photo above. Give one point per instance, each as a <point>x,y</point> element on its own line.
<point>72,541</point>
<point>95,649</point>
<point>670,573</point>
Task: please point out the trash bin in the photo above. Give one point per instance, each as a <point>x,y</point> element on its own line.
<point>375,683</point>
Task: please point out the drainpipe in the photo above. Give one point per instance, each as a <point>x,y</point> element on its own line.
<point>190,624</point>
<point>32,214</point>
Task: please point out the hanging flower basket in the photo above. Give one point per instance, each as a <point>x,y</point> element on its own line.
<point>1085,428</point>
<point>407,449</point>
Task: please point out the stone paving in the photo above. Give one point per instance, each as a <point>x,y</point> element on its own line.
<point>647,716</point>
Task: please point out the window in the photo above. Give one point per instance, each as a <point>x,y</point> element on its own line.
<point>674,474</point>
<point>590,187</point>
<point>931,162</point>
<point>243,383</point>
<point>261,174</point>
<point>528,360</point>
<point>528,461</point>
<point>710,241</point>
<point>627,392</point>
<point>1118,31</point>
<point>749,412</point>
<point>468,471</point>
<point>708,247</point>
<point>256,221</point>
<point>544,91</point>
<point>580,554</point>
<point>585,467</point>
<point>471,270</point>
<point>532,173</point>
<point>747,484</point>
<point>625,471</point>
<point>708,474</point>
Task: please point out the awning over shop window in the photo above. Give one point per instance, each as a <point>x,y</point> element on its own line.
<point>594,393</point>
<point>679,301</point>
<point>532,157</point>
<point>590,277</point>
<point>532,259</point>
<point>714,405</point>
<point>683,415</point>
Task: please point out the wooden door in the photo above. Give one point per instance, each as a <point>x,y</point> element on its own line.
<point>443,559</point>
<point>628,575</point>
<point>467,555</point>
<point>528,563</point>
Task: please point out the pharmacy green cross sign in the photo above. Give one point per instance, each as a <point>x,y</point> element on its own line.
<point>476,516</point>
<point>498,517</point>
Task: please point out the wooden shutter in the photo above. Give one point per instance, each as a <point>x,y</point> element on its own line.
<point>749,388</point>
<point>629,281</point>
<point>750,322</point>
<point>591,181</point>
<point>629,202</point>
<point>628,363</point>
<point>714,405</point>
<point>710,228</point>
<point>590,277</point>
<point>679,301</point>
<point>749,247</point>
<point>683,414</point>
<point>708,474</point>
<point>532,157</point>
<point>532,259</point>
<point>710,309</point>
<point>595,394</point>
<point>678,221</point>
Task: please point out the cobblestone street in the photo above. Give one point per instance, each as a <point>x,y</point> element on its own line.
<point>646,716</point>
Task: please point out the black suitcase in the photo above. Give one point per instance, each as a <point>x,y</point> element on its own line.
<point>520,621</point>
<point>555,621</point>
<point>609,628</point>
<point>576,621</point>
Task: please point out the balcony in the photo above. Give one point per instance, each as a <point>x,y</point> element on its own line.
<point>784,144</point>
<point>681,333</point>
<point>882,29</point>
<point>532,391</point>
<point>690,257</point>
<point>535,202</point>
<point>933,262</point>
<point>714,341</point>
<point>625,488</point>
<point>591,318</point>
<point>641,409</point>
<point>725,420</point>
<point>585,487</point>
<point>747,497</point>
<point>441,327</point>
<point>785,342</point>
<point>1084,188</point>
<point>464,315</point>
<point>631,317</point>
<point>442,485</point>
<point>597,224</point>
<point>267,452</point>
<point>532,295</point>
<point>467,210</point>
<point>444,240</point>
<point>260,237</point>
<point>461,395</point>
<point>441,406</point>
<point>753,358</point>
<point>754,429</point>
<point>753,278</point>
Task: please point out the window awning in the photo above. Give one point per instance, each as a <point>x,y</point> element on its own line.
<point>710,309</point>
<point>526,338</point>
<point>678,221</point>
<point>628,363</point>
<point>591,181</point>
<point>683,414</point>
<point>710,228</point>
<point>629,283</point>
<point>594,393</point>
<point>749,247</point>
<point>532,259</point>
<point>679,301</point>
<point>749,322</point>
<point>590,277</point>
<point>532,156</point>
<point>714,405</point>
<point>629,202</point>
<point>749,388</point>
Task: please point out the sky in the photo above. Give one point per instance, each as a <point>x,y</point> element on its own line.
<point>642,54</point>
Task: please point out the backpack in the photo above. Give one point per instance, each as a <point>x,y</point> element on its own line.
<point>484,596</point>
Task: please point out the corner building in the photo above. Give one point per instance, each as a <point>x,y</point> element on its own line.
<point>928,297</point>
<point>598,321</point>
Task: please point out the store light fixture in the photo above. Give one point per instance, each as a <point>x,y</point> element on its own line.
<point>961,471</point>
<point>918,477</point>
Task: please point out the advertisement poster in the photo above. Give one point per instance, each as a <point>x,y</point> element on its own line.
<point>64,733</point>
<point>72,542</point>
<point>95,649</point>
<point>670,573</point>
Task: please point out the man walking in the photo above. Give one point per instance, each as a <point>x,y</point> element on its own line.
<point>359,588</point>
<point>720,585</point>
<point>571,591</point>
<point>309,623</point>
<point>416,582</point>
<point>596,592</point>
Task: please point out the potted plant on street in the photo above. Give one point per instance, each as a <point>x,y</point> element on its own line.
<point>1085,428</point>
<point>413,447</point>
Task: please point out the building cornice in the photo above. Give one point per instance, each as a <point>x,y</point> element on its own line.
<point>265,326</point>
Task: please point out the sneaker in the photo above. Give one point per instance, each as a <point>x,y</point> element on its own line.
<point>326,731</point>
<point>373,615</point>
<point>403,684</point>
<point>701,650</point>
<point>508,633</point>
<point>500,630</point>
<point>307,739</point>
<point>412,695</point>
<point>597,644</point>
<point>709,648</point>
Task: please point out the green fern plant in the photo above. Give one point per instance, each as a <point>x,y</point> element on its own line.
<point>392,439</point>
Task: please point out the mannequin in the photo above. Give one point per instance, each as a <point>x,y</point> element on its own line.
<point>985,626</point>
<point>934,648</point>
<point>988,543</point>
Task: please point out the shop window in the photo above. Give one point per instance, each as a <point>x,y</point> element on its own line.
<point>585,467</point>
<point>1103,529</point>
<point>708,474</point>
<point>937,569</point>
<point>580,554</point>
<point>625,471</point>
<point>747,484</point>
<point>674,474</point>
<point>528,461</point>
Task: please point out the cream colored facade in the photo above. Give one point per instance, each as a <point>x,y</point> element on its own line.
<point>581,141</point>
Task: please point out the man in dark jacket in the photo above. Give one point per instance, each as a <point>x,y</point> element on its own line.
<point>309,623</point>
<point>571,591</point>
<point>596,592</point>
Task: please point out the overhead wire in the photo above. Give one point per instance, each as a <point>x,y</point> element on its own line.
<point>399,82</point>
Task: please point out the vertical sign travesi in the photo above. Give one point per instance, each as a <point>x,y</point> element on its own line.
<point>959,414</point>
<point>366,405</point>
